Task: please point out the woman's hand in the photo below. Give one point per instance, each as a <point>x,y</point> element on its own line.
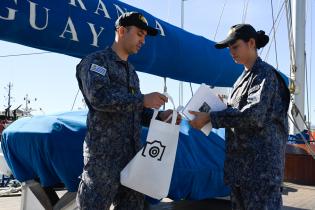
<point>165,114</point>
<point>201,119</point>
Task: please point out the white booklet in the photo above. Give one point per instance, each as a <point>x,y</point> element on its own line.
<point>204,100</point>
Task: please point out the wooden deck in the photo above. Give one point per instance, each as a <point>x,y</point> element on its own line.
<point>295,197</point>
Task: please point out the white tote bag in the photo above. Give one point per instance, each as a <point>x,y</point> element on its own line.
<point>150,171</point>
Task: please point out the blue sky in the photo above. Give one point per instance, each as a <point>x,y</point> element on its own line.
<point>51,77</point>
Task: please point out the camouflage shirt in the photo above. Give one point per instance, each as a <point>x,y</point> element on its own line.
<point>256,127</point>
<point>110,87</point>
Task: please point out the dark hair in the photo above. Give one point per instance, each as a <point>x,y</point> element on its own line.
<point>261,39</point>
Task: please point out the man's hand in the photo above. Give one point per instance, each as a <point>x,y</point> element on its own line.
<point>201,119</point>
<point>165,114</point>
<point>154,100</point>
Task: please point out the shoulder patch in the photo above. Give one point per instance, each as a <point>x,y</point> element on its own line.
<point>98,69</point>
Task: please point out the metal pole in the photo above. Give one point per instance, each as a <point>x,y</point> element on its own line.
<point>298,25</point>
<point>181,85</point>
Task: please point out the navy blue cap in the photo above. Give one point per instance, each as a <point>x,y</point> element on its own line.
<point>135,19</point>
<point>243,32</point>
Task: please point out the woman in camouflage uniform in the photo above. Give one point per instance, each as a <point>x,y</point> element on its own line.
<point>256,124</point>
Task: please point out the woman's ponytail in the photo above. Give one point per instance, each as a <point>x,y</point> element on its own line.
<point>261,40</point>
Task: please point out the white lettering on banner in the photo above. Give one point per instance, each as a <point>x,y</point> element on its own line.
<point>72,2</point>
<point>72,30</point>
<point>39,19</point>
<point>160,28</point>
<point>33,16</point>
<point>95,35</point>
<point>119,10</point>
<point>11,14</point>
<point>102,8</point>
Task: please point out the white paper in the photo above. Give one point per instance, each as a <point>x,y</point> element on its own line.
<point>206,129</point>
<point>204,100</point>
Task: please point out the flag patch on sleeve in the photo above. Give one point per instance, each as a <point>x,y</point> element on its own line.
<point>98,69</point>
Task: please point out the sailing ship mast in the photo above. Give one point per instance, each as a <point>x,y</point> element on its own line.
<point>298,8</point>
<point>7,110</point>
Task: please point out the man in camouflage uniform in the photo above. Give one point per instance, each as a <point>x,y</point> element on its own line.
<point>117,109</point>
<point>256,125</point>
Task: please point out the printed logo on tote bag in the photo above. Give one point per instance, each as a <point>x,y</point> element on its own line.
<point>154,149</point>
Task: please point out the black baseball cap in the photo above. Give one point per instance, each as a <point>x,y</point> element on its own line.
<point>244,32</point>
<point>135,19</point>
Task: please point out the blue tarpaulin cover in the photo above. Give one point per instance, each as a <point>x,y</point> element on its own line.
<point>50,147</point>
<point>298,138</point>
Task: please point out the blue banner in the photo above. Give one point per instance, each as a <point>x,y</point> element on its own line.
<point>79,27</point>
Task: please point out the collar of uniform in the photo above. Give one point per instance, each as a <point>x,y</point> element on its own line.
<point>256,64</point>
<point>246,74</point>
<point>114,55</point>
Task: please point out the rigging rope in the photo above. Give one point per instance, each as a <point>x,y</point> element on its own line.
<point>245,10</point>
<point>191,90</point>
<point>307,92</point>
<point>296,109</point>
<point>274,34</point>
<point>307,80</point>
<point>22,54</point>
<point>272,38</point>
<point>216,31</point>
<point>75,98</point>
<point>274,28</point>
<point>165,90</point>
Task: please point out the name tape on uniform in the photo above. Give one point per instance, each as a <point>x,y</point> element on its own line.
<point>98,69</point>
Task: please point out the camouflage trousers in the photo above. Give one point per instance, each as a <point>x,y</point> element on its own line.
<point>256,198</point>
<point>100,187</point>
